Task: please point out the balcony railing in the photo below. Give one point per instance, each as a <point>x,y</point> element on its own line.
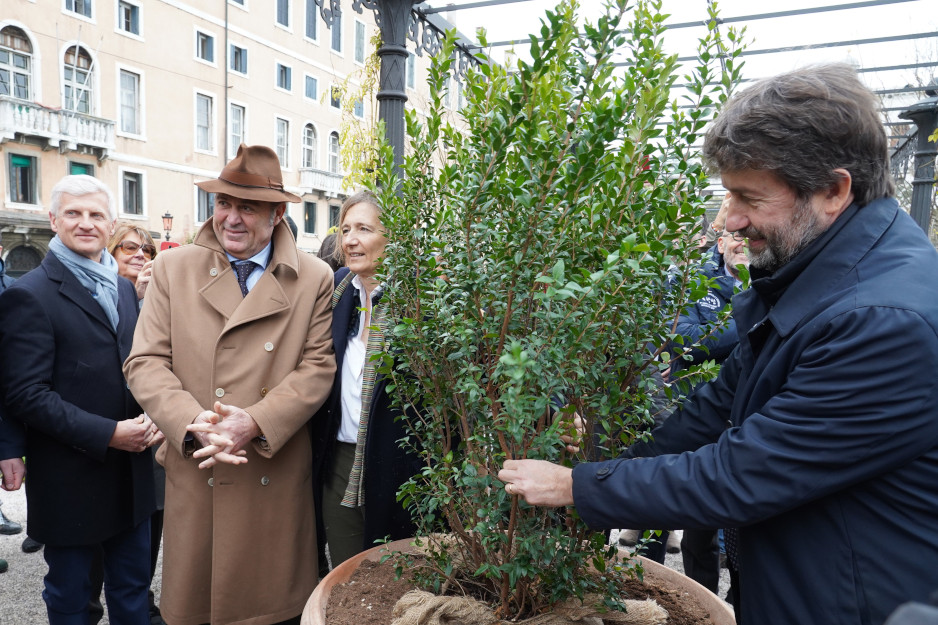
<point>65,130</point>
<point>318,180</point>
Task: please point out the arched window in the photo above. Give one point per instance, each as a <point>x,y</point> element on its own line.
<point>21,260</point>
<point>334,152</point>
<point>310,146</point>
<point>16,63</point>
<point>78,80</point>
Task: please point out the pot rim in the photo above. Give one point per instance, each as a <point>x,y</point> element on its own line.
<point>721,613</point>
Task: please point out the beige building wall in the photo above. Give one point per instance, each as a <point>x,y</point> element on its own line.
<point>162,154</point>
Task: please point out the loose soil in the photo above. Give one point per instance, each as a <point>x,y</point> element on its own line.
<point>370,594</point>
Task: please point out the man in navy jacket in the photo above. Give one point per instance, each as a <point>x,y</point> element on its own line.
<point>65,329</point>
<point>819,438</point>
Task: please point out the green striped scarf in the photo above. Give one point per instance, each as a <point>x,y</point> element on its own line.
<point>354,492</point>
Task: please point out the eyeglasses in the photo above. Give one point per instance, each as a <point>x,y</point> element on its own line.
<point>129,247</point>
<point>735,236</point>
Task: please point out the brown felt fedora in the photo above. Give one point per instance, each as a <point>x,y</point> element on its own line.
<point>254,174</point>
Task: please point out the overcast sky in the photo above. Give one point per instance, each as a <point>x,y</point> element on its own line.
<point>518,20</point>
<point>904,18</point>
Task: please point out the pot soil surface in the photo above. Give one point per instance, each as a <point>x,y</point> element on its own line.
<point>370,594</point>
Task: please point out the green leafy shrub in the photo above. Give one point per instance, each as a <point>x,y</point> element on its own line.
<point>529,251</point>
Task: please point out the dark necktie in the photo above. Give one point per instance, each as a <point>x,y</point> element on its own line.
<point>243,269</point>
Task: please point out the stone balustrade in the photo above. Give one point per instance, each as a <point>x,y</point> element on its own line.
<point>318,180</point>
<point>65,130</point>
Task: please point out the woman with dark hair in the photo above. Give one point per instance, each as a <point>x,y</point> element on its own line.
<point>330,252</point>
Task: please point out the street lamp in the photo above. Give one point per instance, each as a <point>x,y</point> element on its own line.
<point>167,224</point>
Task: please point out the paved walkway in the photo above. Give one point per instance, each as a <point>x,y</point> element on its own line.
<point>20,587</point>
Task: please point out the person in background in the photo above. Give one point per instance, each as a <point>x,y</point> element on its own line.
<point>293,227</point>
<point>818,440</point>
<point>698,323</point>
<point>12,470</point>
<point>6,525</point>
<point>693,323</point>
<point>65,329</point>
<point>134,250</point>
<point>5,280</point>
<point>357,428</point>
<point>330,252</point>
<point>232,356</point>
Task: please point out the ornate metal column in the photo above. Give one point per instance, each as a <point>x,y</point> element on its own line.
<point>399,22</point>
<point>393,17</point>
<point>924,115</point>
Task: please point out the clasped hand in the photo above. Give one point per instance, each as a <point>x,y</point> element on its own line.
<point>222,433</point>
<point>136,435</point>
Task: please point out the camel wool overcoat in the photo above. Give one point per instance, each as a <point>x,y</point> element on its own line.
<point>239,541</point>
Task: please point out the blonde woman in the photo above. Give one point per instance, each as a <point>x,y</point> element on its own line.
<point>134,250</point>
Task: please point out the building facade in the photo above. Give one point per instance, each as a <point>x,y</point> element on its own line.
<point>152,96</point>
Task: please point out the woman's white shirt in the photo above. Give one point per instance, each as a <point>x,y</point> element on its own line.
<point>352,369</point>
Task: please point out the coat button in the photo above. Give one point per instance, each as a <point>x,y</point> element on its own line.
<point>269,346</point>
<point>213,272</point>
<point>265,481</point>
<point>219,392</point>
<point>264,391</point>
<point>602,471</point>
<point>211,481</point>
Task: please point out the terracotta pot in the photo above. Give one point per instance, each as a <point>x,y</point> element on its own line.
<point>315,611</point>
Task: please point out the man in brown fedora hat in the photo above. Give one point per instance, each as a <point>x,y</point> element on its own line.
<point>231,356</point>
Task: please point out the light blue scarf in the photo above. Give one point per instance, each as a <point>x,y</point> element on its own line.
<point>99,278</point>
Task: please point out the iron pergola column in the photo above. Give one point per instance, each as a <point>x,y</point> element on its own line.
<point>924,115</point>
<point>393,19</point>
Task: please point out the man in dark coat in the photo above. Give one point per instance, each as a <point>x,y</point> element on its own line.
<point>713,338</point>
<point>9,466</point>
<point>65,329</point>
<point>819,437</point>
<point>700,323</point>
<point>5,280</point>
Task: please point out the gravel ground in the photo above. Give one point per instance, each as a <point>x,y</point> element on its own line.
<point>674,561</point>
<point>21,586</point>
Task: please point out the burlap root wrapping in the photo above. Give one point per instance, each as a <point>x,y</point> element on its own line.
<point>418,607</point>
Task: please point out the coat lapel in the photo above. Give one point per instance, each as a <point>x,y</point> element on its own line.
<point>71,289</point>
<point>266,298</point>
<point>222,292</point>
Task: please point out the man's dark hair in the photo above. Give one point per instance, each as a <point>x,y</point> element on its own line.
<point>329,252</point>
<point>801,126</point>
<point>292,226</point>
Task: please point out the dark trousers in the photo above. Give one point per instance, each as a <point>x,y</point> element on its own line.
<point>701,553</point>
<point>126,560</point>
<point>345,527</point>
<point>95,609</point>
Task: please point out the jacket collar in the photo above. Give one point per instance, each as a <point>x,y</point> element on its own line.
<point>72,289</point>
<point>792,292</point>
<point>285,253</point>
<point>267,297</point>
